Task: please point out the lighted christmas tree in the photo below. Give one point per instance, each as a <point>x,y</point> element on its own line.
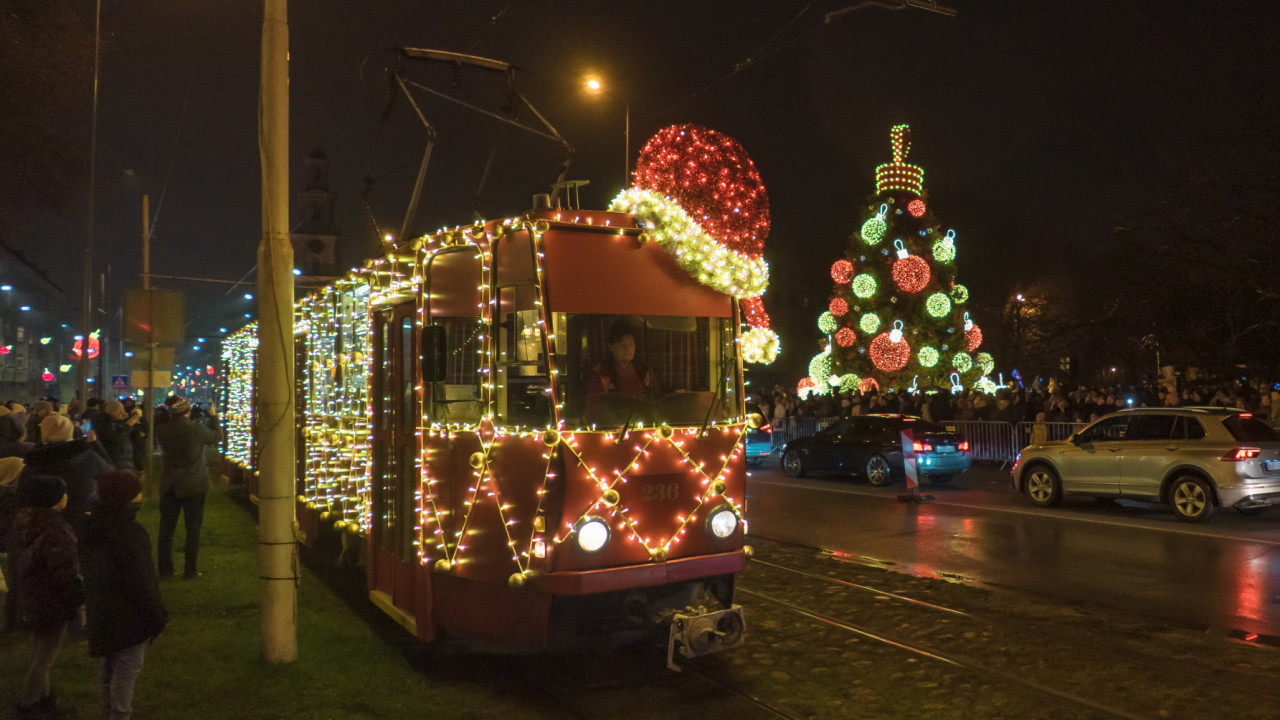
<point>897,318</point>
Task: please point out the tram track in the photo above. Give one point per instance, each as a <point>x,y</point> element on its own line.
<point>1194,673</point>
<point>1049,665</point>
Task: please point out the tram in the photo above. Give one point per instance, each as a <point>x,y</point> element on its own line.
<point>446,422</point>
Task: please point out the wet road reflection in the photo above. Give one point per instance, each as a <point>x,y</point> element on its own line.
<point>1223,575</point>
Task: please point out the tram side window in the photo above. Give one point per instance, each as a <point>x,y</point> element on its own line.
<point>457,399</point>
<point>522,383</point>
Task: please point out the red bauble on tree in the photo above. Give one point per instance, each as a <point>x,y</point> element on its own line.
<point>916,208</point>
<point>911,273</point>
<point>972,338</point>
<point>712,178</point>
<point>845,337</point>
<point>887,355</point>
<point>842,271</point>
<point>838,306</point>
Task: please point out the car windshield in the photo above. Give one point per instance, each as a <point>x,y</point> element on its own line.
<point>1246,428</point>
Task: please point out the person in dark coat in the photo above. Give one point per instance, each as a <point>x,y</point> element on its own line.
<point>39,411</point>
<point>12,430</point>
<point>47,590</point>
<point>122,592</point>
<point>114,430</point>
<point>75,461</point>
<point>184,482</point>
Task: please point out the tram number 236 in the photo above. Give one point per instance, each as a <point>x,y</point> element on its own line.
<point>657,492</point>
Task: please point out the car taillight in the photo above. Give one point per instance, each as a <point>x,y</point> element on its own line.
<point>767,428</point>
<point>1244,453</point>
<point>919,446</point>
<point>964,446</point>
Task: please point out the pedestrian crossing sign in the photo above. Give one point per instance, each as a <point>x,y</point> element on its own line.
<point>119,382</point>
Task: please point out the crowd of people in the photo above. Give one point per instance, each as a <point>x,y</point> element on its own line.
<point>78,561</point>
<point>1042,402</point>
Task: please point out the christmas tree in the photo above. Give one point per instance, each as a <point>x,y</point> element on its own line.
<point>897,318</point>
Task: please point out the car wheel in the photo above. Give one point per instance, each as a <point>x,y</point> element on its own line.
<point>939,479</point>
<point>877,471</point>
<point>1043,486</point>
<point>1191,499</point>
<point>1251,511</point>
<point>793,464</point>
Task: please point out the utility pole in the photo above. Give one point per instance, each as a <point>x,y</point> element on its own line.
<point>149,398</point>
<point>277,548</point>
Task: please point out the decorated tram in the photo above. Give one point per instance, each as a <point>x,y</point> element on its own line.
<point>452,421</point>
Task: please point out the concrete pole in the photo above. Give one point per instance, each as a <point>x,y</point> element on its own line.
<point>277,549</point>
<point>149,398</point>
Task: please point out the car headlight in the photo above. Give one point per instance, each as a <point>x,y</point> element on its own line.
<point>592,533</point>
<point>723,522</point>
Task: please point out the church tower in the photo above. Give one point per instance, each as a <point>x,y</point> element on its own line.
<point>315,234</point>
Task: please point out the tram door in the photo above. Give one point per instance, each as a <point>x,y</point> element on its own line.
<point>395,476</point>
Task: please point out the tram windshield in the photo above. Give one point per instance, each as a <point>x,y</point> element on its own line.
<point>633,370</point>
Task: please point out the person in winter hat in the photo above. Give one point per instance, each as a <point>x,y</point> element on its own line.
<point>114,430</point>
<point>10,467</point>
<point>77,462</point>
<point>47,590</point>
<point>184,482</point>
<point>39,411</point>
<point>122,590</point>
<point>12,430</point>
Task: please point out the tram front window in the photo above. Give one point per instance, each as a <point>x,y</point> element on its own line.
<point>649,370</point>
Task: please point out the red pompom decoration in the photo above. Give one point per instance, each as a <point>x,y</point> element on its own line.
<point>712,178</point>
<point>842,271</point>
<point>804,383</point>
<point>972,338</point>
<point>887,355</point>
<point>845,337</point>
<point>838,306</point>
<point>916,208</point>
<point>753,308</point>
<point>911,273</point>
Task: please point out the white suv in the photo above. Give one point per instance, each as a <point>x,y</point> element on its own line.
<point>1194,459</point>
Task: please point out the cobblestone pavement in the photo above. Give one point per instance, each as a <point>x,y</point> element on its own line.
<point>978,652</point>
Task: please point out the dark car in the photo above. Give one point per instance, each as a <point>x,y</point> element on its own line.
<point>759,444</point>
<point>871,446</point>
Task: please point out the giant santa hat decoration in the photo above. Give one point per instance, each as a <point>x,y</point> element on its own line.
<point>699,196</point>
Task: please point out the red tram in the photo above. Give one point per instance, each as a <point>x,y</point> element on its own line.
<point>446,421</point>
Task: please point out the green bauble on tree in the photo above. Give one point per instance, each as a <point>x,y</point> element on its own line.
<point>897,318</point>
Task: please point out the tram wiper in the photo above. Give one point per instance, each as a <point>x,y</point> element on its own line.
<point>626,429</point>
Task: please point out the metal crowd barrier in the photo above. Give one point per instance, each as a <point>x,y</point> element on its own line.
<point>989,440</point>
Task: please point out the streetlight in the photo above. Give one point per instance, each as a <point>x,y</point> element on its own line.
<point>595,86</point>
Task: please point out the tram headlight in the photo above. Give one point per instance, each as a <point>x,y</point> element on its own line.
<point>723,522</point>
<point>592,533</point>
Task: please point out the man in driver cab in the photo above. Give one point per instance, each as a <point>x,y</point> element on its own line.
<point>620,372</point>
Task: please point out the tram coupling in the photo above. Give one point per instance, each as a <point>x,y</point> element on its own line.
<point>697,632</point>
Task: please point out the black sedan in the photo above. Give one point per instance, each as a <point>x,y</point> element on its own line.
<point>871,446</point>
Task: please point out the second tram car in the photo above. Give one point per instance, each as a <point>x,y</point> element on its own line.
<point>450,422</point>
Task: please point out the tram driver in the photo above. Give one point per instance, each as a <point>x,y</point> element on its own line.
<point>619,374</point>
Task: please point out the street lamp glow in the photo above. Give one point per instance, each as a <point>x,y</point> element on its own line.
<point>593,85</point>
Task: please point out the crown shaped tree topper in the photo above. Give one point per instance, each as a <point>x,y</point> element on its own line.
<point>698,194</point>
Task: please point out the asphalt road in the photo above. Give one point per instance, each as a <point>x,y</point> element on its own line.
<point>1221,576</point>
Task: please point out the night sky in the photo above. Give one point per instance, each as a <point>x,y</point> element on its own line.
<point>1040,126</point>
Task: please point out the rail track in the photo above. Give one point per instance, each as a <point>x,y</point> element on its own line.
<point>1078,678</point>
